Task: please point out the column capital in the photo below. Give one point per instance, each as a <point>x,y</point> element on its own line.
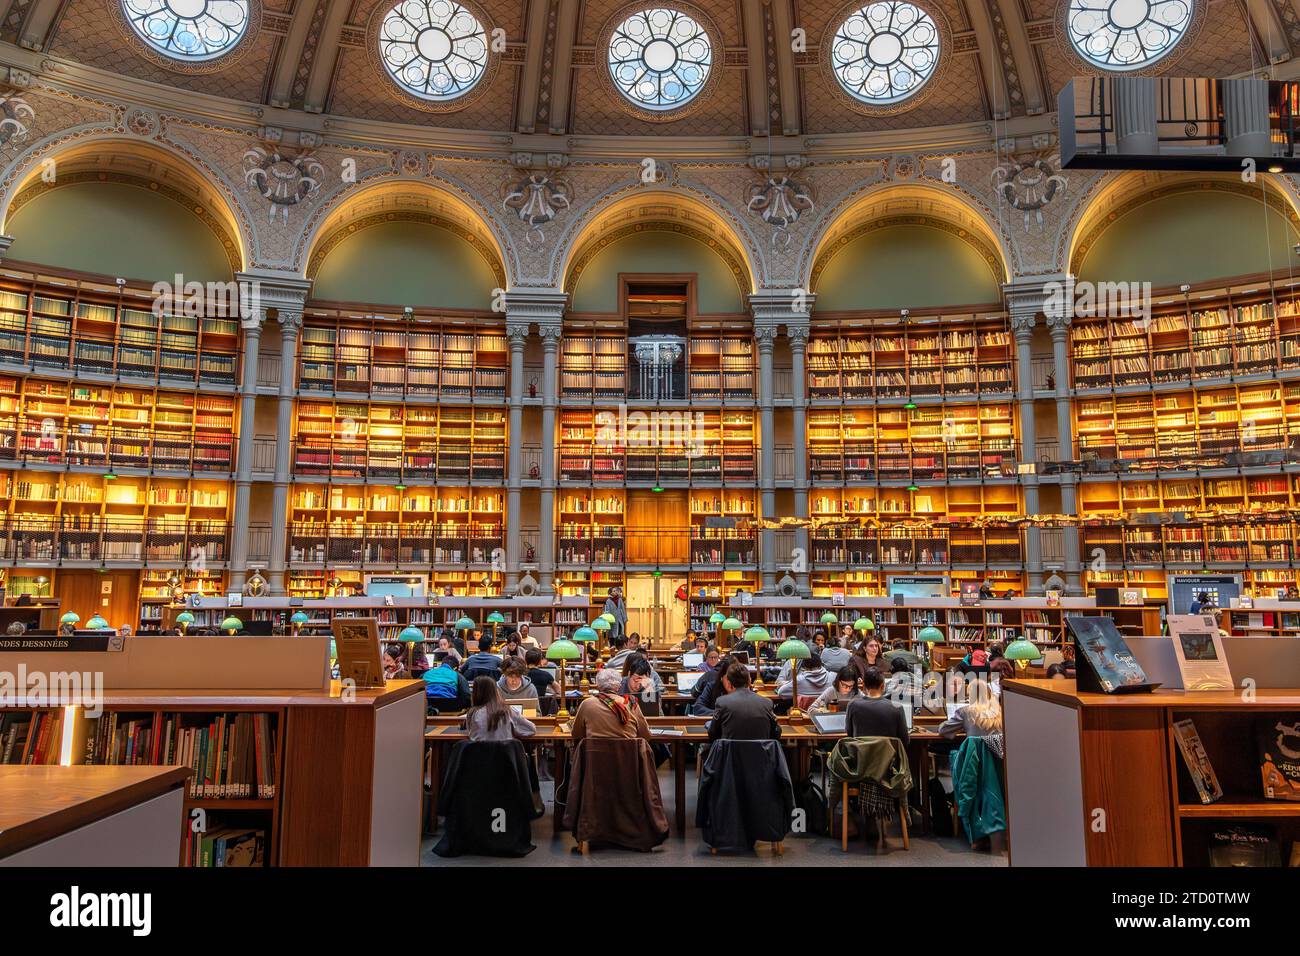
<point>290,322</point>
<point>517,333</point>
<point>798,336</point>
<point>1058,324</point>
<point>540,305</point>
<point>766,336</point>
<point>5,243</point>
<point>550,334</point>
<point>781,306</point>
<point>262,291</point>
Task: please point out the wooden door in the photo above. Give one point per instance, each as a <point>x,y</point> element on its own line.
<point>658,527</point>
<point>114,595</point>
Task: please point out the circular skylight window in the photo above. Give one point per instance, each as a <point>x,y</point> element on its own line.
<point>885,52</point>
<point>436,50</point>
<point>1126,34</point>
<point>659,58</point>
<point>188,30</point>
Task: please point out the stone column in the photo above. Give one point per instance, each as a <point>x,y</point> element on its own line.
<point>798,334</point>
<point>290,327</point>
<point>1133,101</point>
<point>251,324</point>
<point>550,333</point>
<point>1245,116</point>
<point>766,338</point>
<point>1024,315</point>
<point>1059,327</point>
<point>517,334</point>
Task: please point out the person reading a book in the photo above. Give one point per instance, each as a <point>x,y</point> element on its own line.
<point>491,718</point>
<point>514,683</point>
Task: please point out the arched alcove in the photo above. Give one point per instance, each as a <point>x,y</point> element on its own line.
<point>894,265</point>
<point>406,261</point>
<point>1193,233</point>
<point>135,230</point>
<point>644,249</point>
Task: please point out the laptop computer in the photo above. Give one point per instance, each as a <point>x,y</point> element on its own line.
<point>525,708</point>
<point>829,723</point>
<point>692,659</point>
<point>686,680</point>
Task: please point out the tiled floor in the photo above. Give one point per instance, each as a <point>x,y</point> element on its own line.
<point>690,850</point>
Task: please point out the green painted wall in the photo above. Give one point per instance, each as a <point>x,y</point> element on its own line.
<point>117,230</point>
<point>406,263</point>
<point>716,289</point>
<point>912,267</point>
<point>1190,237</point>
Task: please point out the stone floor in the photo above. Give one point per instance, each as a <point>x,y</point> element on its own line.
<point>691,851</point>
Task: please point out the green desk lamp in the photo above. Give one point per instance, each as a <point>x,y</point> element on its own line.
<point>495,618</point>
<point>758,635</point>
<point>794,651</point>
<point>716,619</point>
<point>184,620</point>
<point>232,624</point>
<point>1022,651</point>
<point>561,652</point>
<point>298,619</point>
<point>584,635</point>
<point>929,636</point>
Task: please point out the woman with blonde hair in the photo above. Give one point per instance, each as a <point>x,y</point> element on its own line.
<point>980,716</point>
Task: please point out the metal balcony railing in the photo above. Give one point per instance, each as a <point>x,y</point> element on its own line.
<point>99,538</point>
<point>109,447</point>
<point>132,355</point>
<point>1242,544</point>
<point>708,547</point>
<point>259,544</point>
<point>1043,373</point>
<point>916,547</point>
<point>264,454</point>
<point>919,461</point>
<point>1224,446</point>
<point>712,462</point>
<point>268,370</point>
<point>393,461</point>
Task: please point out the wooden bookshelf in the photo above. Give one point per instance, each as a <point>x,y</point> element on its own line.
<point>85,327</point>
<point>68,516</point>
<point>591,527</point>
<point>1249,329</point>
<point>384,526</point>
<point>926,356</point>
<point>702,446</point>
<point>593,364</point>
<point>426,444</point>
<point>723,527</point>
<point>426,356</point>
<point>156,592</point>
<point>1188,429</point>
<point>590,583</point>
<point>60,423</point>
<point>720,367</point>
<point>931,442</point>
<point>711,591</point>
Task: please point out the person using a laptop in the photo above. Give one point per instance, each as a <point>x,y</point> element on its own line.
<point>708,659</point>
<point>873,714</point>
<point>514,683</point>
<point>842,690</point>
<point>490,717</point>
<point>740,713</point>
<point>813,679</point>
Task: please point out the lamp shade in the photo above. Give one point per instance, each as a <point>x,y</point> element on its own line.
<point>608,618</point>
<point>186,618</point>
<point>232,623</point>
<point>584,635</point>
<point>930,635</point>
<point>732,624</point>
<point>496,617</point>
<point>793,650</point>
<point>600,624</point>
<point>299,617</point>
<point>864,624</point>
<point>563,650</point>
<point>465,624</point>
<point>411,633</point>
<point>97,623</point>
<point>758,633</point>
<point>829,618</point>
<point>71,617</point>
<point>1022,650</point>
<point>716,618</point>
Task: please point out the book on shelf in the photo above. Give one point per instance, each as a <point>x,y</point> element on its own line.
<point>1244,845</point>
<point>1279,757</point>
<point>1197,761</point>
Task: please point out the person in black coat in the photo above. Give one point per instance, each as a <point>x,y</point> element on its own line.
<point>741,714</point>
<point>708,689</point>
<point>873,714</point>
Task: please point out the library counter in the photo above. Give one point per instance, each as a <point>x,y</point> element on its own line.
<point>91,816</point>
<point>1075,793</point>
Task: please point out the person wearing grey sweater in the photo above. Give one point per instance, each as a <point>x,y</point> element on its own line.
<point>490,717</point>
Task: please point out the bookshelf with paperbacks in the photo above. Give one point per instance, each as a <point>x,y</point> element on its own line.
<point>875,357</point>
<point>444,355</point>
<point>667,446</point>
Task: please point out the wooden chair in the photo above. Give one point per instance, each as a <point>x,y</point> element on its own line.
<point>848,790</point>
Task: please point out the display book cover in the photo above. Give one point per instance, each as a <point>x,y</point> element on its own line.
<point>1197,761</point>
<point>1244,845</point>
<point>1279,757</point>
<point>1110,667</point>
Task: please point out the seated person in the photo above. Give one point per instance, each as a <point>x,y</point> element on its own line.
<point>711,656</point>
<point>840,693</point>
<point>491,718</point>
<point>813,679</point>
<point>873,714</point>
<point>904,681</point>
<point>542,678</point>
<point>447,651</point>
<point>526,640</point>
<point>445,689</point>
<point>483,663</point>
<point>514,683</point>
<point>1057,671</point>
<point>742,714</point>
<point>607,713</point>
<point>980,716</point>
<point>1000,670</point>
<point>395,663</point>
<point>641,682</point>
<point>690,641</point>
<point>619,652</point>
<point>701,647</point>
<point>707,690</point>
<point>512,647</point>
<point>835,657</point>
<point>643,668</point>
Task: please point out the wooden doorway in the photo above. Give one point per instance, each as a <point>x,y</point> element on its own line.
<point>658,527</point>
<point>654,610</point>
<point>114,595</point>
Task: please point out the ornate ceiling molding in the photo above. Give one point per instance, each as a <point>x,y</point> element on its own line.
<point>117,16</point>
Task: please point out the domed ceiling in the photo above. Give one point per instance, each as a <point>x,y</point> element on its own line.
<point>597,67</point>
